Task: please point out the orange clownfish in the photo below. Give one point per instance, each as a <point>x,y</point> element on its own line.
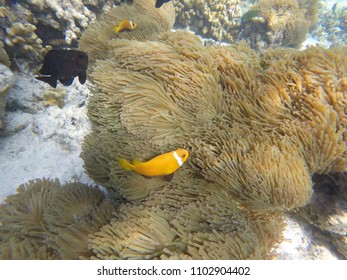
<point>124,25</point>
<point>163,165</point>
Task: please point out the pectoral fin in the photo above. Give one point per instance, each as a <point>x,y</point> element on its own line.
<point>168,177</point>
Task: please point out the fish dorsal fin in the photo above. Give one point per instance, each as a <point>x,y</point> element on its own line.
<point>168,177</point>
<point>136,162</point>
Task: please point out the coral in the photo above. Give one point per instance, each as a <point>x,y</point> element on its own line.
<point>332,25</point>
<point>73,204</point>
<point>317,92</point>
<point>4,59</point>
<point>150,22</point>
<point>18,35</point>
<point>54,97</point>
<point>279,23</point>
<point>209,228</point>
<point>68,17</point>
<point>28,26</point>
<point>6,82</point>
<point>218,20</point>
<point>79,211</point>
<point>47,221</point>
<point>289,109</point>
<point>257,127</point>
<point>23,37</point>
<point>344,18</point>
<point>25,211</point>
<point>24,249</point>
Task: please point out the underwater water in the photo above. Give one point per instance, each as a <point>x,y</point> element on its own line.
<point>238,84</point>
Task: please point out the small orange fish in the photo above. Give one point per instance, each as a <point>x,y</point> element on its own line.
<point>163,165</point>
<point>125,25</point>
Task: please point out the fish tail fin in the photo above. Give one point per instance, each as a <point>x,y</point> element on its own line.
<point>116,29</point>
<point>125,164</point>
<point>136,162</point>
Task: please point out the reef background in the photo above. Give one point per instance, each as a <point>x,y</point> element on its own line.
<point>40,141</point>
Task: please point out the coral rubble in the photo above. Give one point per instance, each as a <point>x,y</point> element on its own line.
<point>54,97</point>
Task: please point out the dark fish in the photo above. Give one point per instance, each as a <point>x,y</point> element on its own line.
<point>159,3</point>
<point>64,66</point>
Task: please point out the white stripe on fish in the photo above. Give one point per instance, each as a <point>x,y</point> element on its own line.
<point>179,160</point>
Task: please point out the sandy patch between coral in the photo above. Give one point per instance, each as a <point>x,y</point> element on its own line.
<point>42,141</point>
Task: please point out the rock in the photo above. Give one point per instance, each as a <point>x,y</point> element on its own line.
<point>26,96</point>
<point>16,121</point>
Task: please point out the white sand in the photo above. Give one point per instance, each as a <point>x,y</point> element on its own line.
<point>42,141</point>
